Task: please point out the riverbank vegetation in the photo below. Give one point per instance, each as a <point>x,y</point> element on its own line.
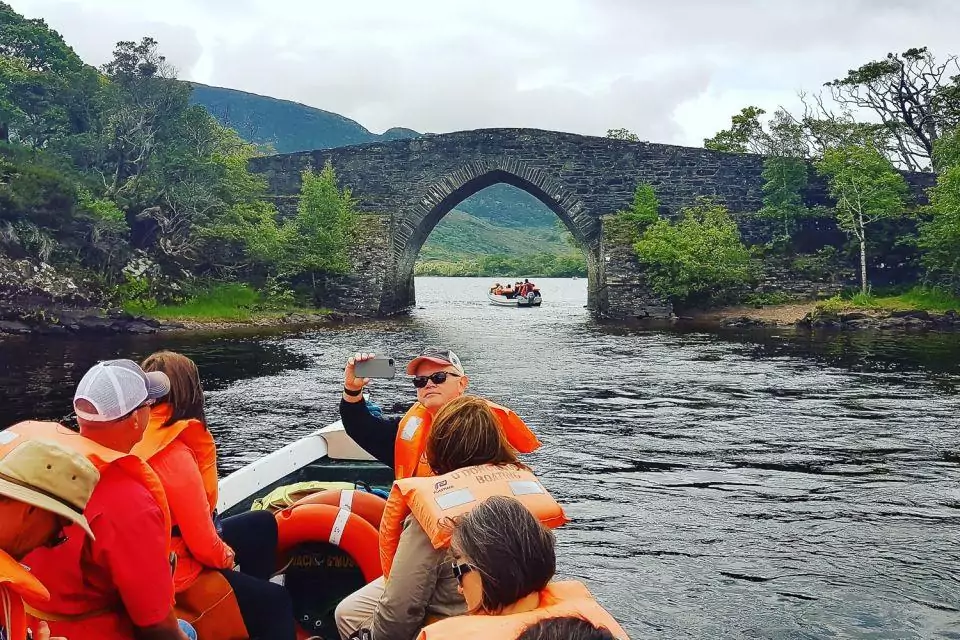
<point>934,300</point>
<point>110,176</point>
<point>542,265</point>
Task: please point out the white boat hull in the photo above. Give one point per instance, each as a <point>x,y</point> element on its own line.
<point>503,301</point>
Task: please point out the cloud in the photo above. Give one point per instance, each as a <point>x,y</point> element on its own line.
<point>672,72</point>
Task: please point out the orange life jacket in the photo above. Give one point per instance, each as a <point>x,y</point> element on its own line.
<point>559,599</point>
<point>411,444</point>
<point>194,434</point>
<point>433,499</point>
<point>206,600</point>
<point>17,583</point>
<point>101,457</point>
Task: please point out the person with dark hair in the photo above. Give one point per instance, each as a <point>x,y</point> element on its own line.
<point>470,453</point>
<point>220,602</point>
<point>566,628</point>
<point>505,559</point>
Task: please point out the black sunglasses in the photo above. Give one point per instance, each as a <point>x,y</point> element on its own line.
<point>460,569</point>
<point>437,378</point>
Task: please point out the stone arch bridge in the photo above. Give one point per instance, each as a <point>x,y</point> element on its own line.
<point>407,186</point>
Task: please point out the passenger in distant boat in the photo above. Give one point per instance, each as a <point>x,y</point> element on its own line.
<point>118,586</point>
<point>505,560</point>
<point>566,628</point>
<point>420,584</point>
<point>43,488</point>
<point>401,443</point>
<point>218,601</point>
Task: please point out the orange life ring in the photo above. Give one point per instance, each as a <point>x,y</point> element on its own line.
<point>368,506</point>
<point>341,528</point>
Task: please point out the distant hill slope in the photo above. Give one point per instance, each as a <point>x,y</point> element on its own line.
<point>461,235</point>
<point>290,126</point>
<point>284,125</point>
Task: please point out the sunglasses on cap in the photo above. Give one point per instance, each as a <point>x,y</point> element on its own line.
<point>460,569</point>
<point>437,378</point>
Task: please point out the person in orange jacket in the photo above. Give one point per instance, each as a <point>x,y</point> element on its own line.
<point>504,560</point>
<point>42,488</point>
<point>220,602</point>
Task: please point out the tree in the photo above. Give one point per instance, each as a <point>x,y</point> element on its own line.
<point>914,97</point>
<point>866,189</point>
<point>784,181</point>
<point>626,227</point>
<point>317,238</point>
<point>745,134</point>
<point>940,236</point>
<point>144,102</point>
<point>622,134</point>
<point>700,258</point>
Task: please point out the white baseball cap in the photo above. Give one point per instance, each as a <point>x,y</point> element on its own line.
<point>116,387</point>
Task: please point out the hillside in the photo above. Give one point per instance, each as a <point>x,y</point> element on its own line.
<point>460,234</point>
<point>284,125</point>
<point>290,126</point>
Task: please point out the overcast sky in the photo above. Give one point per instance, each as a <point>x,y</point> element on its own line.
<point>671,70</point>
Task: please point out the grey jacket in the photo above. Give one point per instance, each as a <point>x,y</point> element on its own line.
<point>421,585</point>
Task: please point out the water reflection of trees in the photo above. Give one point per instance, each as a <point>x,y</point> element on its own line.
<point>38,375</point>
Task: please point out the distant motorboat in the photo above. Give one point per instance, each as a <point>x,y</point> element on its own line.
<point>532,299</point>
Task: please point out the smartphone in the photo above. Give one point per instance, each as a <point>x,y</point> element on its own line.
<point>377,367</point>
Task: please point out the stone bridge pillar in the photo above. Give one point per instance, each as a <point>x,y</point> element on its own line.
<point>624,293</point>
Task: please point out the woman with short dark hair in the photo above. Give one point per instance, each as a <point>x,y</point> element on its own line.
<point>504,559</point>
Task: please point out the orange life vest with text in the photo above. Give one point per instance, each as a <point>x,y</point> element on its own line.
<point>434,499</point>
<point>559,599</point>
<point>101,457</point>
<point>411,445</point>
<point>17,583</point>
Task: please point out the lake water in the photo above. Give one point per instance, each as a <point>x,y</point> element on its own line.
<point>761,484</point>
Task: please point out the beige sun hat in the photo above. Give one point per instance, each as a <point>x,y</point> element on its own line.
<point>47,476</point>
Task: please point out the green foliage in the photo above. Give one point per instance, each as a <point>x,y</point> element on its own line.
<point>784,181</point>
<point>544,265</point>
<point>940,235</point>
<point>626,227</point>
<point>622,134</point>
<point>741,136</point>
<point>866,188</point>
<point>460,235</point>
<point>918,298</point>
<point>820,265</point>
<point>700,258</point>
<point>317,238</point>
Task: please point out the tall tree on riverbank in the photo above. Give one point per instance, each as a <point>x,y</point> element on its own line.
<point>866,189</point>
<point>915,97</point>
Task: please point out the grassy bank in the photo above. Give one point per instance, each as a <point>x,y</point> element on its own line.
<point>221,303</point>
<point>917,299</point>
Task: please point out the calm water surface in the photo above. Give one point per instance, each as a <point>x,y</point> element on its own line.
<point>742,485</point>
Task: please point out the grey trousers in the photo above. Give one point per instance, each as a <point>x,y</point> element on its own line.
<point>357,608</point>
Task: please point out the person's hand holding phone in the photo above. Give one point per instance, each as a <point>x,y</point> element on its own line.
<point>351,383</point>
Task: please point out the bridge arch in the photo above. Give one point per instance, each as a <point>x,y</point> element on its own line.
<point>444,194</point>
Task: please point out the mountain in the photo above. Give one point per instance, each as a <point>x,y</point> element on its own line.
<point>284,125</point>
